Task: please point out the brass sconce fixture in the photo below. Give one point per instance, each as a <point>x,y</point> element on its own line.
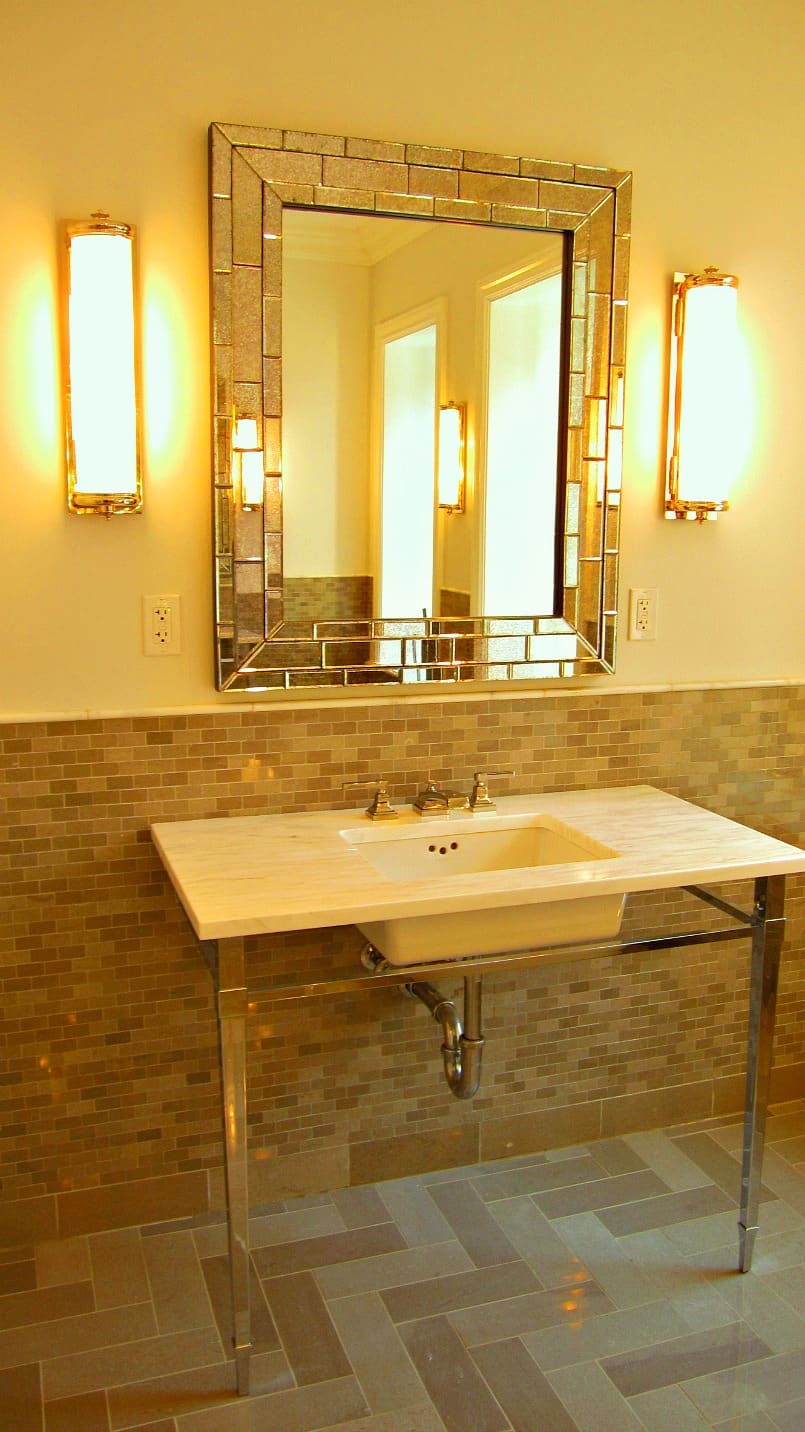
<point>452,457</point>
<point>101,397</point>
<point>249,472</point>
<point>702,395</point>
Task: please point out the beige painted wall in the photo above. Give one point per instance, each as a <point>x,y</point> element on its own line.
<point>108,105</point>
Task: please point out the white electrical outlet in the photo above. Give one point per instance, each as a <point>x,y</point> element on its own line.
<point>643,613</point>
<point>162,626</point>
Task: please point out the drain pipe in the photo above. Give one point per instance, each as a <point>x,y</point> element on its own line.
<point>461,1049</point>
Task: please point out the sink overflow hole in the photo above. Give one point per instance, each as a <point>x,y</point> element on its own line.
<point>442,849</point>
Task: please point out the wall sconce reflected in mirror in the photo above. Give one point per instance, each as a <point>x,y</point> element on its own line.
<point>249,473</point>
<point>101,371</point>
<point>702,395</point>
<point>452,457</point>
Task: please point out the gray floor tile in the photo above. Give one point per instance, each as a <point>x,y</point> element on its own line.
<point>592,1401</point>
<point>177,1285</point>
<point>538,1178</point>
<point>756,1387</point>
<point>683,1359</point>
<point>667,1160</point>
<point>456,1388</point>
<point>462,1290</point>
<point>391,1270</point>
<point>391,1326</point>
<point>310,1253</point>
<point>537,1242</point>
<point>472,1224</point>
<point>377,1355</point>
<point>306,1331</point>
<point>609,1334</point>
<point>523,1392</point>
<point>410,1205</point>
<point>667,1409</point>
<point>604,1193</point>
<point>665,1209</point>
<point>22,1398</point>
<point>510,1317</point>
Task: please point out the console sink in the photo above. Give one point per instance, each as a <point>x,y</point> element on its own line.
<point>451,849</point>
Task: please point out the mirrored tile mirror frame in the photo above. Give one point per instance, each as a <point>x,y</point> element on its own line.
<point>254,174</point>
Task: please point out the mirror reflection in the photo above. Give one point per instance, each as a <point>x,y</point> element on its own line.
<point>387,322</point>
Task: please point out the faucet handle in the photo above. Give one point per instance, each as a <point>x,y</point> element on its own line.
<point>379,807</point>
<point>480,798</point>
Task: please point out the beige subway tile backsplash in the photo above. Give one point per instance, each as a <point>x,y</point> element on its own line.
<point>109,1091</point>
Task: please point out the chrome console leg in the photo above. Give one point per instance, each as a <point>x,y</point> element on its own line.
<point>767,939</point>
<point>232,1009</point>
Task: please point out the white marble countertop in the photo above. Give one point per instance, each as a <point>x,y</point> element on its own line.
<point>248,875</point>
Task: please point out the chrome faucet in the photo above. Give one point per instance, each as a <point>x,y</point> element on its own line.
<point>433,801</point>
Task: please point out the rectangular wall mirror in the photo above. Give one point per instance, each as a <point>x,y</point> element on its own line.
<point>359,290</point>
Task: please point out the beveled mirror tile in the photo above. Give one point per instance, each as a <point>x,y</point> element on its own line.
<point>592,174</point>
<point>222,379</point>
<point>329,197</point>
<point>247,398</point>
<point>619,333</point>
<point>391,152</point>
<point>571,198</point>
<point>571,576</point>
<point>565,219</point>
<point>578,341</point>
<point>290,193</point>
<point>252,134</point>
<point>434,155</point>
<point>491,163</point>
<point>620,274</point>
<point>272,400</point>
<point>436,182</point>
<point>500,189</point>
<point>601,249</point>
<point>221,235</point>
<point>272,445</point>
<point>272,266</point>
<point>420,204</point>
<point>546,169</point>
<point>512,214</point>
<point>248,577</point>
<point>364,174</point>
<point>272,327</point>
<point>597,361</point>
<point>314,143</point>
<point>467,210</point>
<point>247,336</point>
<point>278,166</point>
<point>247,213</point>
<point>623,209</point>
<point>220,164</point>
<point>222,307</point>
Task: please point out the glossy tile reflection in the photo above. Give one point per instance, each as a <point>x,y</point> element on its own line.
<point>584,1288</point>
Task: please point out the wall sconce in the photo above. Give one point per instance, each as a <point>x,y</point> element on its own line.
<point>249,472</point>
<point>452,456</point>
<point>101,398</point>
<point>702,395</point>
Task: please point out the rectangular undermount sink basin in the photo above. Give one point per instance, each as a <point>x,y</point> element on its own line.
<point>451,849</point>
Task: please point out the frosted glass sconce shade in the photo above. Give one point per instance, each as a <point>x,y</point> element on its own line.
<point>702,395</point>
<point>452,456</point>
<point>101,399</point>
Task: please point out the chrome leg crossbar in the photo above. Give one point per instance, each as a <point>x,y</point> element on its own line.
<point>227,963</point>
